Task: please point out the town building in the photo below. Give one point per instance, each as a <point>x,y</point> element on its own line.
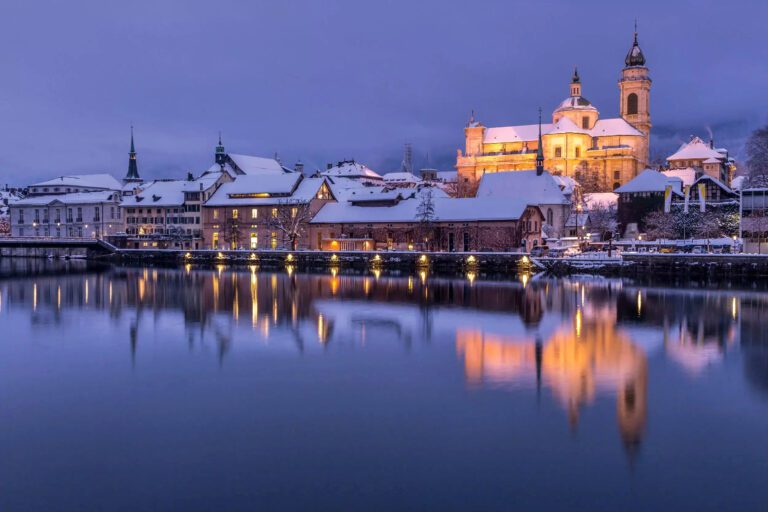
<point>270,210</point>
<point>401,180</point>
<point>454,225</point>
<point>643,195</point>
<point>700,158</point>
<point>168,213</point>
<point>72,215</point>
<point>578,143</point>
<point>754,219</point>
<point>132,178</point>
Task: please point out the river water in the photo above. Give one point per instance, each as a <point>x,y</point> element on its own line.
<point>234,389</point>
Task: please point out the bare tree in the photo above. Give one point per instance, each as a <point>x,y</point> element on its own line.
<point>425,215</point>
<point>757,158</point>
<point>291,218</point>
<point>603,220</point>
<point>231,233</point>
<point>660,225</point>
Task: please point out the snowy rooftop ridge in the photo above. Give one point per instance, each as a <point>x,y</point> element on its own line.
<point>530,132</point>
<point>102,180</point>
<point>696,149</point>
<point>651,180</point>
<point>266,190</point>
<point>527,185</point>
<point>446,210</point>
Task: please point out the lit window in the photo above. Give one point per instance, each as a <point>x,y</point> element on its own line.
<point>274,213</point>
<point>234,213</point>
<point>294,212</point>
<point>558,152</point>
<point>254,213</point>
<point>273,240</point>
<point>215,214</point>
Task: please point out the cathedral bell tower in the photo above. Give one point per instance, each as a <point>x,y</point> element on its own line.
<point>635,96</point>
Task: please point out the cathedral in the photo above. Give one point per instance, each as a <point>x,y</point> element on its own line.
<point>601,153</point>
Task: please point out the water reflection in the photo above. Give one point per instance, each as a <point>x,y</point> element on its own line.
<point>574,340</point>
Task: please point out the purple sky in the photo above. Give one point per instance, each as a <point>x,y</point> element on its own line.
<point>328,80</point>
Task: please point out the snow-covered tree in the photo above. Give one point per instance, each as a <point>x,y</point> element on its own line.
<point>603,220</point>
<point>757,157</point>
<point>659,224</point>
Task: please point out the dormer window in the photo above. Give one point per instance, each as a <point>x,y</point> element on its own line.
<point>585,122</point>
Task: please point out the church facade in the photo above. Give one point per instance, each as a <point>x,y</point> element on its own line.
<point>601,153</point>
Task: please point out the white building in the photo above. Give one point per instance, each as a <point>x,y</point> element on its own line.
<point>73,215</point>
<point>703,159</point>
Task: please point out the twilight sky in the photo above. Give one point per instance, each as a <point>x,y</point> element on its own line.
<point>327,80</point>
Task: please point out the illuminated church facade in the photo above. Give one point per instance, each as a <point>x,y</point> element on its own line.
<point>577,143</point>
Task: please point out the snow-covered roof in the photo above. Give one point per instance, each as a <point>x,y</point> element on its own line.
<point>530,132</point>
<point>102,181</point>
<point>696,149</point>
<point>567,184</point>
<point>343,188</point>
<point>575,103</point>
<point>723,186</point>
<point>351,169</point>
<point>600,200</point>
<point>75,198</point>
<point>544,189</point>
<point>650,180</point>
<point>446,210</point>
<point>257,164</point>
<point>738,182</point>
<point>687,175</point>
<point>712,161</point>
<point>401,177</point>
<point>169,192</point>
<point>266,190</point>
<point>577,220</point>
<point>374,194</point>
<point>613,127</point>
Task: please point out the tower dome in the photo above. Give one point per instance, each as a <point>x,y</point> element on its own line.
<point>635,56</point>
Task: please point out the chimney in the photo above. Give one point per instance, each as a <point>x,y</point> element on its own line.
<point>328,167</point>
<point>711,143</point>
<point>299,167</point>
<point>190,177</point>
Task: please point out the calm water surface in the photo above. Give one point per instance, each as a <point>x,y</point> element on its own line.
<point>234,389</point>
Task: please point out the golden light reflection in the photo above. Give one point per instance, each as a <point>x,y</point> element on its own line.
<point>58,296</point>
<point>471,278</point>
<point>34,296</point>
<point>734,308</point>
<point>321,328</point>
<point>639,303</point>
<point>110,292</point>
<point>86,291</point>
<point>187,268</point>
<point>289,269</point>
<point>576,363</point>
<point>141,289</point>
<point>376,273</point>
<point>524,277</point>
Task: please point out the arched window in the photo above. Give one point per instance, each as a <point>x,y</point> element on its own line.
<point>632,104</point>
<point>549,216</point>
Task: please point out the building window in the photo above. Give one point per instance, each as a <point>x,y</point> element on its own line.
<point>215,241</point>
<point>273,237</point>
<point>632,104</point>
<point>215,214</point>
<point>294,212</point>
<point>550,217</point>
<point>577,152</point>
<point>254,213</point>
<point>558,152</point>
<point>274,213</point>
<point>585,122</point>
<point>254,241</point>
<point>616,175</point>
<point>235,213</point>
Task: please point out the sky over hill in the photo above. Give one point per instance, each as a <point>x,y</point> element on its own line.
<point>323,81</point>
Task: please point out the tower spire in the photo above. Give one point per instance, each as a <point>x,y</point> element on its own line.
<point>221,155</point>
<point>635,56</point>
<point>540,152</point>
<point>133,168</point>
